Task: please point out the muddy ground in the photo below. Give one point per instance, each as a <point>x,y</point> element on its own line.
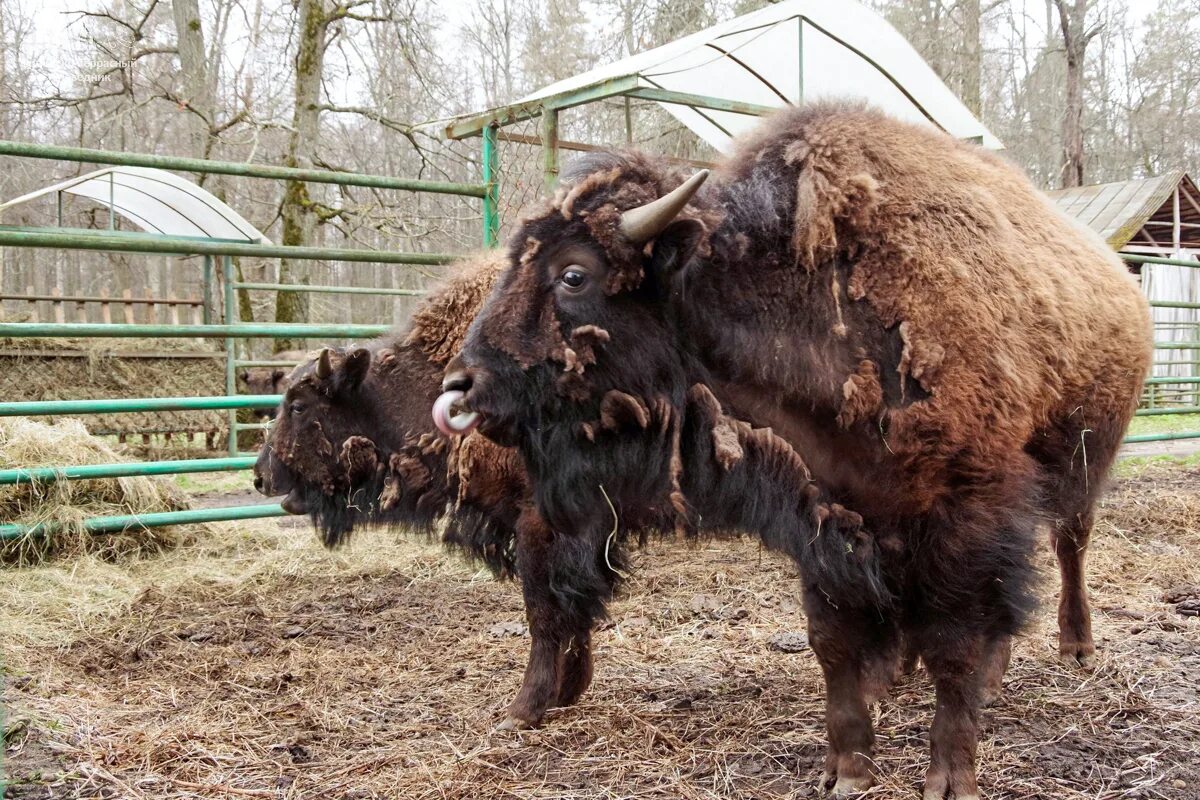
<point>386,680</point>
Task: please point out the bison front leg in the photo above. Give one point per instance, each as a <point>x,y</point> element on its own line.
<point>958,662</point>
<point>859,657</point>
<point>560,609</point>
<point>575,669</point>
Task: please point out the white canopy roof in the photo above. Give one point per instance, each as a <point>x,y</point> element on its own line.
<point>785,53</point>
<point>156,201</point>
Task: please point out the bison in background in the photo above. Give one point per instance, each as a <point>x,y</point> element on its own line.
<point>957,361</point>
<point>270,380</point>
<point>353,445</point>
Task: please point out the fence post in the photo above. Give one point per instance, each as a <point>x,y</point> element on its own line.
<point>491,197</point>
<point>231,317</point>
<point>549,148</point>
<point>207,289</point>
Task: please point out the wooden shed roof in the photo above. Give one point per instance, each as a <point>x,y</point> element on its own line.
<point>1138,212</point>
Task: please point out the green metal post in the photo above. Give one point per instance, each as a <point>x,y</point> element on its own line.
<point>549,148</point>
<point>231,317</point>
<point>8,477</point>
<point>154,520</point>
<point>239,168</point>
<point>122,405</point>
<point>491,177</point>
<point>247,330</point>
<point>207,293</point>
<point>136,242</point>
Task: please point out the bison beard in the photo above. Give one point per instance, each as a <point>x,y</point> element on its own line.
<point>905,310</point>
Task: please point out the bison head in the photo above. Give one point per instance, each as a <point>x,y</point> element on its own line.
<point>573,344</point>
<point>345,451</point>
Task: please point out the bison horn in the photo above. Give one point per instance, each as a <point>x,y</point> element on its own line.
<point>643,223</point>
<point>324,368</point>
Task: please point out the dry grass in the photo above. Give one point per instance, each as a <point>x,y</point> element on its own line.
<point>267,668</point>
<point>26,443</point>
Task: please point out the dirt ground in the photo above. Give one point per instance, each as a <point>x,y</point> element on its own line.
<point>382,671</point>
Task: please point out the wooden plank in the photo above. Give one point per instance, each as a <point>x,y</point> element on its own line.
<point>81,314</point>
<point>174,311</point>
<point>31,295</point>
<point>126,295</point>
<point>60,314</point>
<point>33,306</point>
<point>13,353</point>
<point>105,308</point>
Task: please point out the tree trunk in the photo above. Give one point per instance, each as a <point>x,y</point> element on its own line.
<point>1075,41</point>
<point>972,58</point>
<point>197,91</point>
<point>299,221</point>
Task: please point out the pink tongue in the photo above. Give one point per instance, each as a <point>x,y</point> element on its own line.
<point>449,422</point>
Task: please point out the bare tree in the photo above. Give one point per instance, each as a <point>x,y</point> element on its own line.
<point>1075,37</point>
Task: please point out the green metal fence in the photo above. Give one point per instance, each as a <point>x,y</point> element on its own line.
<point>1175,394</point>
<point>231,332</point>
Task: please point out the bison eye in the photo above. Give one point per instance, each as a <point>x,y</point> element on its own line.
<point>573,278</point>
<point>297,409</point>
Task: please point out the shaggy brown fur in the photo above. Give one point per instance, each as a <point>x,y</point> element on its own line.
<point>955,359</point>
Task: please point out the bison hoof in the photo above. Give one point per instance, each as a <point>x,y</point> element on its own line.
<point>846,775</point>
<point>845,786</point>
<point>1078,654</point>
<point>943,784</point>
<point>515,724</point>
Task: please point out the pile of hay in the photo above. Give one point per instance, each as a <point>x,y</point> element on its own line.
<point>66,504</point>
<point>88,369</point>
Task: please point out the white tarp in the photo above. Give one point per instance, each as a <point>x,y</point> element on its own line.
<point>157,202</point>
<point>788,52</point>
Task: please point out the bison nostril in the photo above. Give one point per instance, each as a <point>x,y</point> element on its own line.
<point>258,483</point>
<point>458,380</point>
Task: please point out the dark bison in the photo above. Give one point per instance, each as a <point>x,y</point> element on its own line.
<point>353,445</point>
<point>270,380</point>
<point>956,361</point>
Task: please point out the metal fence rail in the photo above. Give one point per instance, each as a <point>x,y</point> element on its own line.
<point>1176,391</point>
<point>230,331</point>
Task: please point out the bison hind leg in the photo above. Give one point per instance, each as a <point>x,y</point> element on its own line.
<point>1075,458</point>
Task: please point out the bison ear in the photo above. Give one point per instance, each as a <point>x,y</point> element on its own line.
<point>355,368</point>
<point>244,376</point>
<point>674,247</point>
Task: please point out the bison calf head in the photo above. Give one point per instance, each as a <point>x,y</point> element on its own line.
<point>269,380</point>
<point>344,451</point>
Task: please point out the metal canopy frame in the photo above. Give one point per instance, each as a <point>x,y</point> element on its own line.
<point>900,78</point>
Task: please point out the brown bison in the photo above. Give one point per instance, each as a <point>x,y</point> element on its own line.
<point>270,380</point>
<point>956,361</point>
